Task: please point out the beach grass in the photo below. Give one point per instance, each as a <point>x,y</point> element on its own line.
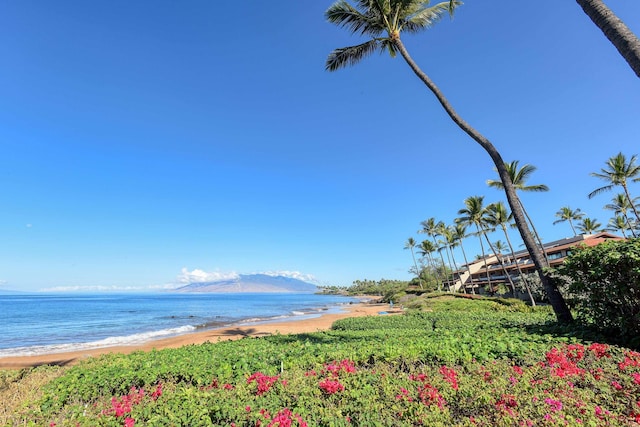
<point>452,362</point>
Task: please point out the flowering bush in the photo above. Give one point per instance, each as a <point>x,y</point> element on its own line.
<point>467,366</point>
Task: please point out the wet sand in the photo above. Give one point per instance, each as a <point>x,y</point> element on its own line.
<point>321,323</point>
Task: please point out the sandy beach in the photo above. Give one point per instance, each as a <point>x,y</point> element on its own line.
<point>320,323</point>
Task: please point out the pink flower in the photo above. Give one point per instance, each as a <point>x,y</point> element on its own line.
<point>600,350</point>
<point>263,381</point>
<point>555,405</point>
<point>450,376</point>
<point>129,422</point>
<point>331,386</point>
<point>616,385</point>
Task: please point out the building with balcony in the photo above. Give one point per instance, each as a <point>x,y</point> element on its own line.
<point>485,275</point>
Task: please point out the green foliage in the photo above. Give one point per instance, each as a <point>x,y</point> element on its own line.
<point>451,364</point>
<point>605,283</point>
<point>389,290</point>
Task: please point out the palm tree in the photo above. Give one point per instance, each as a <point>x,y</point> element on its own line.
<point>473,214</point>
<point>498,216</point>
<point>488,228</point>
<point>450,242</point>
<point>500,246</point>
<point>410,244</point>
<point>619,172</point>
<point>426,249</point>
<point>519,178</point>
<point>620,205</point>
<point>383,21</point>
<point>567,214</point>
<point>589,226</point>
<point>459,234</point>
<point>431,228</point>
<point>615,30</point>
<point>618,223</point>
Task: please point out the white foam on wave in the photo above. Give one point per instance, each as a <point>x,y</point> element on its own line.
<point>107,342</point>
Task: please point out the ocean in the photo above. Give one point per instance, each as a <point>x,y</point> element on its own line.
<point>34,324</point>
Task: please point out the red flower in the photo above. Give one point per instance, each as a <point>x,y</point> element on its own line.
<point>450,376</point>
<point>157,392</point>
<point>331,386</point>
<point>263,381</point>
<point>600,350</point>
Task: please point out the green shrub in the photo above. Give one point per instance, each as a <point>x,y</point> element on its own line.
<point>604,282</point>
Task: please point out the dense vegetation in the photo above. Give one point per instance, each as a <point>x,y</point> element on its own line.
<point>449,361</point>
<point>604,284</point>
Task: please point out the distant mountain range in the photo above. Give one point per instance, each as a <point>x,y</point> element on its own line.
<point>257,283</point>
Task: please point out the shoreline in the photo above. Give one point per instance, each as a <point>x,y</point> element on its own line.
<point>233,332</point>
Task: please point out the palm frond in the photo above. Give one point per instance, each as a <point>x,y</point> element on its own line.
<point>390,47</point>
<point>495,184</point>
<point>351,55</point>
<point>425,17</point>
<point>346,16</point>
<point>600,191</point>
<point>537,187</point>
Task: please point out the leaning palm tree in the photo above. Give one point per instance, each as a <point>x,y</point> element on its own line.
<point>619,172</point>
<point>519,177</point>
<point>486,229</point>
<point>589,226</point>
<point>498,216</point>
<point>459,234</point>
<point>567,214</point>
<point>383,21</point>
<point>473,214</point>
<point>450,242</point>
<point>620,205</point>
<point>411,244</point>
<point>624,40</point>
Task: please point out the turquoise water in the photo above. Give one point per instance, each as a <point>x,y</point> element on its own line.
<point>49,323</point>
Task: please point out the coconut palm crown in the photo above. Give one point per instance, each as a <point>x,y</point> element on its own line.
<point>383,21</point>
<point>618,172</point>
<point>519,178</point>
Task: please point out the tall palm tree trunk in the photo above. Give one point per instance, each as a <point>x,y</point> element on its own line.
<point>513,254</point>
<point>444,277</point>
<point>615,30</point>
<point>630,225</point>
<point>501,261</point>
<point>450,278</point>
<point>413,255</point>
<point>535,233</point>
<point>572,227</point>
<point>464,255</point>
<point>560,308</point>
<point>484,260</point>
<point>633,206</point>
<point>455,265</point>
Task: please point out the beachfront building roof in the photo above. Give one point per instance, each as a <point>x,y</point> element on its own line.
<point>474,274</point>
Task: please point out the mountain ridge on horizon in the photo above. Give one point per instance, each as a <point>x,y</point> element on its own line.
<point>251,283</point>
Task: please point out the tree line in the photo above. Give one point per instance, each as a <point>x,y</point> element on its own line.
<point>478,220</point>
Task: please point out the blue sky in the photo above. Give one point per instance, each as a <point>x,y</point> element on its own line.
<point>147,143</point>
